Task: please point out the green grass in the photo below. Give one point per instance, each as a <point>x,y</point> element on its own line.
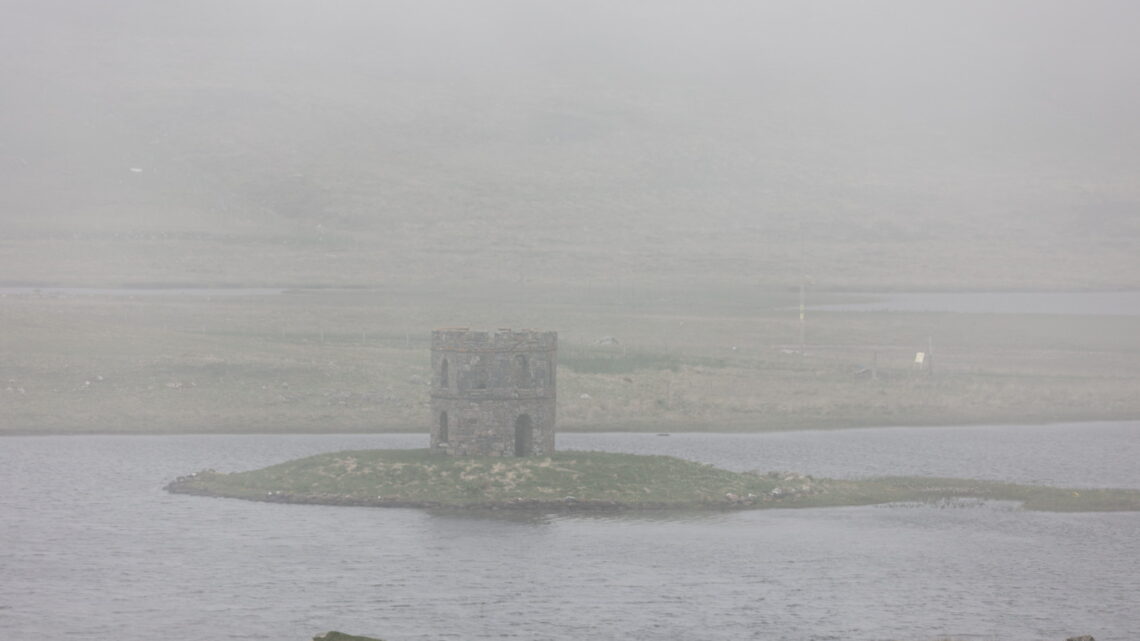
<point>573,479</point>
<point>615,361</point>
<point>423,477</point>
<point>946,491</point>
<point>340,636</point>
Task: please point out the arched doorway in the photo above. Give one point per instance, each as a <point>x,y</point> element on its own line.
<point>524,436</point>
<point>443,427</point>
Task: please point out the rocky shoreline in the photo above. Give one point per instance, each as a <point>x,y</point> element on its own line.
<point>602,481</point>
<point>567,504</point>
<point>183,485</point>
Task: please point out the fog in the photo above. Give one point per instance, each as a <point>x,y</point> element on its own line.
<point>228,227</point>
<point>873,125</point>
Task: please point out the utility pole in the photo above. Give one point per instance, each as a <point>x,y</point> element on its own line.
<point>803,293</point>
<point>930,356</point>
<point>803,340</point>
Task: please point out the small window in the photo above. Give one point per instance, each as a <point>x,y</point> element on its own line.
<point>443,375</point>
<point>443,427</point>
<point>480,373</point>
<point>521,371</point>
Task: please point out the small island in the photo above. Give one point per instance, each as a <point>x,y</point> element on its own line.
<point>340,636</point>
<point>592,481</point>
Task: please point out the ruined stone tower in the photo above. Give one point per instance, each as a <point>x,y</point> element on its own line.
<point>493,394</point>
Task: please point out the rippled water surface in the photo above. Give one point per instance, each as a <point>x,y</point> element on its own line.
<point>92,548</point>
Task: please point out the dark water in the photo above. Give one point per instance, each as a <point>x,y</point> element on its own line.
<point>92,548</point>
<point>1067,303</point>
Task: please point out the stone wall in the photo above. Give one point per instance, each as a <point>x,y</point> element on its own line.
<point>493,393</point>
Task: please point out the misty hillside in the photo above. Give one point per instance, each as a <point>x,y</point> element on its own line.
<point>869,145</point>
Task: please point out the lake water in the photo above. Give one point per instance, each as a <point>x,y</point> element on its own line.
<point>91,548</point>
<point>1066,303</point>
<point>140,291</point>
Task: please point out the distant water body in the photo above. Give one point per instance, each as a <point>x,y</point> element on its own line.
<point>140,291</point>
<point>1069,303</point>
<point>91,548</point>
<point>1066,303</point>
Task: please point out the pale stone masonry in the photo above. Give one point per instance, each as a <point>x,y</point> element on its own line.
<point>493,393</point>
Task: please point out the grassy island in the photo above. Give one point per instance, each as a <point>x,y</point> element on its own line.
<point>340,636</point>
<point>573,480</point>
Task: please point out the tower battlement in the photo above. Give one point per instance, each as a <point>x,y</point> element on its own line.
<point>520,340</point>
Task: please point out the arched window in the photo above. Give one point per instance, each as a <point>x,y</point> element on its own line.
<point>443,427</point>
<point>521,371</point>
<point>443,376</point>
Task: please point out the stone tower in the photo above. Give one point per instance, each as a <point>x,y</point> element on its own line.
<point>493,394</point>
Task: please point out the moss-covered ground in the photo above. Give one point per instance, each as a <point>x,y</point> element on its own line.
<point>599,480</point>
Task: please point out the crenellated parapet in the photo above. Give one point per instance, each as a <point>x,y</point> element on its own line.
<point>521,340</point>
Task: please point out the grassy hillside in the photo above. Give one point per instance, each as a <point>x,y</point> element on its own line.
<point>358,361</point>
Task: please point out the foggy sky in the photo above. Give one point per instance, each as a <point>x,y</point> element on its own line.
<point>735,107</point>
<point>1026,74</point>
